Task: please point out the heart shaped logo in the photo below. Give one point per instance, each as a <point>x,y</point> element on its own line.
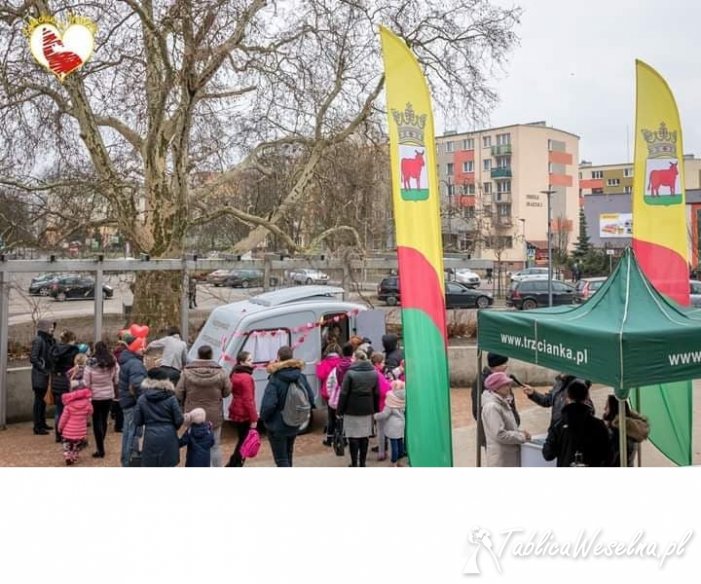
<point>61,49</point>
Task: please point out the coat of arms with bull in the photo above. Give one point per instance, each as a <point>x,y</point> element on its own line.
<point>412,154</point>
<point>662,175</point>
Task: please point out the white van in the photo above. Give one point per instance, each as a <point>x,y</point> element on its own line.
<point>299,317</point>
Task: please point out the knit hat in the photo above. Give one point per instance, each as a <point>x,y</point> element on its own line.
<point>497,380</point>
<point>494,360</point>
<point>136,345</point>
<point>198,416</point>
<point>44,325</point>
<point>157,373</point>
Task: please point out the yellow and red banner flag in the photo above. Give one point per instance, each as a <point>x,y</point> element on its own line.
<point>420,255</point>
<point>660,242</point>
<point>660,238</point>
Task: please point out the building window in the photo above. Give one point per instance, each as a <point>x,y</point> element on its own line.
<point>597,191</point>
<point>504,186</point>
<point>468,212</point>
<point>468,166</point>
<point>449,168</point>
<point>486,141</point>
<point>471,189</point>
<point>550,145</point>
<point>468,144</point>
<point>613,182</point>
<point>504,210</point>
<point>487,188</point>
<point>503,139</point>
<point>449,146</point>
<point>597,174</point>
<point>628,190</point>
<point>487,164</point>
<point>627,172</point>
<point>503,161</point>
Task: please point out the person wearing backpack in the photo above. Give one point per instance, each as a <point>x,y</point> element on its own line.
<point>286,405</point>
<point>328,381</point>
<point>577,438</point>
<point>360,399</point>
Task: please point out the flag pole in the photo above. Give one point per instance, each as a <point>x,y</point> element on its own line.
<point>478,447</point>
<point>622,437</point>
<point>640,445</point>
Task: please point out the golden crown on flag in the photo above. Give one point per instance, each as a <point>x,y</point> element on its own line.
<point>662,143</point>
<point>410,126</point>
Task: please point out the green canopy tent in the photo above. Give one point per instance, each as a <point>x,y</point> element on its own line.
<point>626,336</point>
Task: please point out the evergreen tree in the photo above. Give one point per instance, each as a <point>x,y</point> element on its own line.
<point>583,244</point>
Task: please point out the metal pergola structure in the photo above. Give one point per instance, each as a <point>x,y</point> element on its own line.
<point>186,265</point>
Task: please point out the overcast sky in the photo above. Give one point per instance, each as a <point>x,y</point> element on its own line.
<point>575,69</point>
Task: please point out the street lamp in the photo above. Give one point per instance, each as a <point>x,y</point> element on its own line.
<point>550,192</point>
<point>525,243</point>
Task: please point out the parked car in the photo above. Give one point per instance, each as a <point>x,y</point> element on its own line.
<point>307,276</point>
<point>41,284</point>
<point>528,294</point>
<point>530,274</point>
<point>244,278</point>
<point>695,293</point>
<point>462,296</point>
<point>586,287</point>
<point>218,277</point>
<point>77,288</point>
<point>456,295</point>
<point>464,276</point>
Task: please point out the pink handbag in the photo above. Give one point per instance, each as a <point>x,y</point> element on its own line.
<point>251,445</point>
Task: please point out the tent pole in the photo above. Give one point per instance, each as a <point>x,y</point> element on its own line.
<point>640,407</point>
<point>478,457</point>
<point>622,437</point>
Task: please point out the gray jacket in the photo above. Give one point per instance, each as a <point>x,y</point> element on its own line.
<point>393,419</point>
<point>504,439</point>
<point>174,351</point>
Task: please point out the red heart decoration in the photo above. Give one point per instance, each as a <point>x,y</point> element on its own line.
<point>336,318</point>
<point>61,60</point>
<point>273,333</point>
<point>139,331</point>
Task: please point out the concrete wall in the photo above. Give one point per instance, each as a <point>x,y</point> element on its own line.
<point>462,362</point>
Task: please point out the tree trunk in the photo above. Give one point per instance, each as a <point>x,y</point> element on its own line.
<point>157,299</point>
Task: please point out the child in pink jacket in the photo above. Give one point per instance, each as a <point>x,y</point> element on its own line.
<point>332,356</point>
<point>73,425</point>
<point>384,386</point>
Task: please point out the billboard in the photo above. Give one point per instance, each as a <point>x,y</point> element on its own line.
<point>616,225</point>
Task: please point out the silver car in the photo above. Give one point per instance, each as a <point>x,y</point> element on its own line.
<point>308,276</point>
<point>467,277</point>
<point>530,274</point>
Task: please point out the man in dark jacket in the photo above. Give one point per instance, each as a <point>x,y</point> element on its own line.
<point>282,372</point>
<point>555,398</point>
<point>359,400</point>
<point>131,373</point>
<point>494,363</point>
<point>40,359</point>
<point>393,354</point>
<point>578,437</point>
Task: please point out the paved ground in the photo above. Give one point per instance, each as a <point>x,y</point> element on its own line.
<point>19,447</point>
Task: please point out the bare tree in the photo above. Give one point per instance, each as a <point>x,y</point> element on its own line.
<point>177,89</point>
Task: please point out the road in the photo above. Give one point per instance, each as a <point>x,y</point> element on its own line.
<point>25,308</point>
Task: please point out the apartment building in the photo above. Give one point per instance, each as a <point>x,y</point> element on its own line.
<point>491,185</point>
<point>615,179</point>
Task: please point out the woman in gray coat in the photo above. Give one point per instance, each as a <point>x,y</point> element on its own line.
<point>158,410</point>
<point>359,400</point>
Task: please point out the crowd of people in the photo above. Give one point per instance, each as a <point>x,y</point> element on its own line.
<point>576,437</point>
<point>161,401</point>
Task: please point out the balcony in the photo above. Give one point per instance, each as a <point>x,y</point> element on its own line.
<point>501,172</point>
<point>503,221</point>
<point>502,198</point>
<point>501,150</point>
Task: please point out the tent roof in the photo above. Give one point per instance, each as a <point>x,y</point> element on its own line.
<point>626,335</point>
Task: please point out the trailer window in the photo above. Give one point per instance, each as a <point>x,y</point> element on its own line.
<point>263,344</point>
<point>334,330</point>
